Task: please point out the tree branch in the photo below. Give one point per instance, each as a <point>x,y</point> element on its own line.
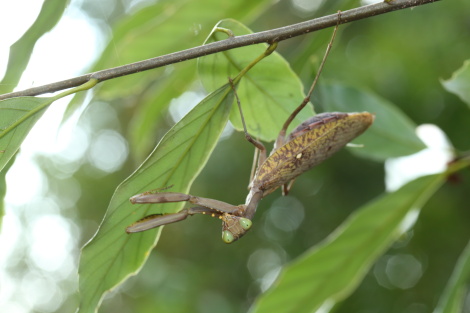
<point>269,36</point>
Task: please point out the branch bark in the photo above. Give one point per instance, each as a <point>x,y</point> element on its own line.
<point>269,36</point>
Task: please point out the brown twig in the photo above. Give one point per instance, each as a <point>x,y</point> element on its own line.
<point>269,36</point>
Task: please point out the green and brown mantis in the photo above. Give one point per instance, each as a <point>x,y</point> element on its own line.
<point>309,144</point>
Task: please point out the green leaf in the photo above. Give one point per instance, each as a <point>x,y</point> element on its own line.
<point>20,51</point>
<point>268,93</point>
<point>149,33</point>
<point>454,294</point>
<point>306,49</point>
<point>17,117</point>
<point>330,271</point>
<point>391,135</point>
<point>152,31</point>
<point>459,83</point>
<point>112,255</point>
<point>151,108</point>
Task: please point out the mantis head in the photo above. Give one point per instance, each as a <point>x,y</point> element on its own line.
<point>234,227</point>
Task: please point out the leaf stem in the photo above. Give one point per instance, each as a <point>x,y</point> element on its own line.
<point>267,52</point>
<point>457,165</point>
<point>89,84</point>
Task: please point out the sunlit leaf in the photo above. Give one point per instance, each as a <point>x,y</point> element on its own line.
<point>152,31</point>
<point>3,187</point>
<point>149,33</point>
<point>151,107</point>
<point>329,272</point>
<point>459,83</point>
<point>112,255</point>
<point>453,297</point>
<point>391,135</point>
<point>269,92</point>
<point>21,50</point>
<point>17,117</point>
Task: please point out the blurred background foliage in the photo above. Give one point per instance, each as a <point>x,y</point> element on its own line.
<point>400,56</point>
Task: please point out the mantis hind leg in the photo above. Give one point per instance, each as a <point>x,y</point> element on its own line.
<point>256,143</point>
<point>287,187</point>
<point>281,139</point>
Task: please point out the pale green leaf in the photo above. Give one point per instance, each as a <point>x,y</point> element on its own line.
<point>164,27</point>
<point>268,93</point>
<point>20,51</point>
<point>112,255</point>
<point>17,117</point>
<point>151,107</point>
<point>391,135</point>
<point>330,271</point>
<point>3,187</point>
<point>459,83</point>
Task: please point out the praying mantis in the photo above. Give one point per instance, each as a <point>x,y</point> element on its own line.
<point>306,146</point>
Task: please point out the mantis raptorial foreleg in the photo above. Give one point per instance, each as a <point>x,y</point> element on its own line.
<point>167,197</point>
<point>156,220</point>
<point>306,146</point>
<point>212,207</point>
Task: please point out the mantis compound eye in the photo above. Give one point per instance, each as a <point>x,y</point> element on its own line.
<point>227,237</point>
<point>245,223</point>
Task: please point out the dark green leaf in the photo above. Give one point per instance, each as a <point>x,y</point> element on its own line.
<point>453,297</point>
<point>112,255</point>
<point>268,93</point>
<point>329,272</point>
<point>391,135</point>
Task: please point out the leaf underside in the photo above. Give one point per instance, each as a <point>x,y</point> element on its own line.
<point>268,93</point>
<point>17,117</point>
<point>112,255</point>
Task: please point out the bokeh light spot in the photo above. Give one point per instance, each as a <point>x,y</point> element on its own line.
<point>433,159</point>
<point>108,151</point>
<point>50,242</point>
